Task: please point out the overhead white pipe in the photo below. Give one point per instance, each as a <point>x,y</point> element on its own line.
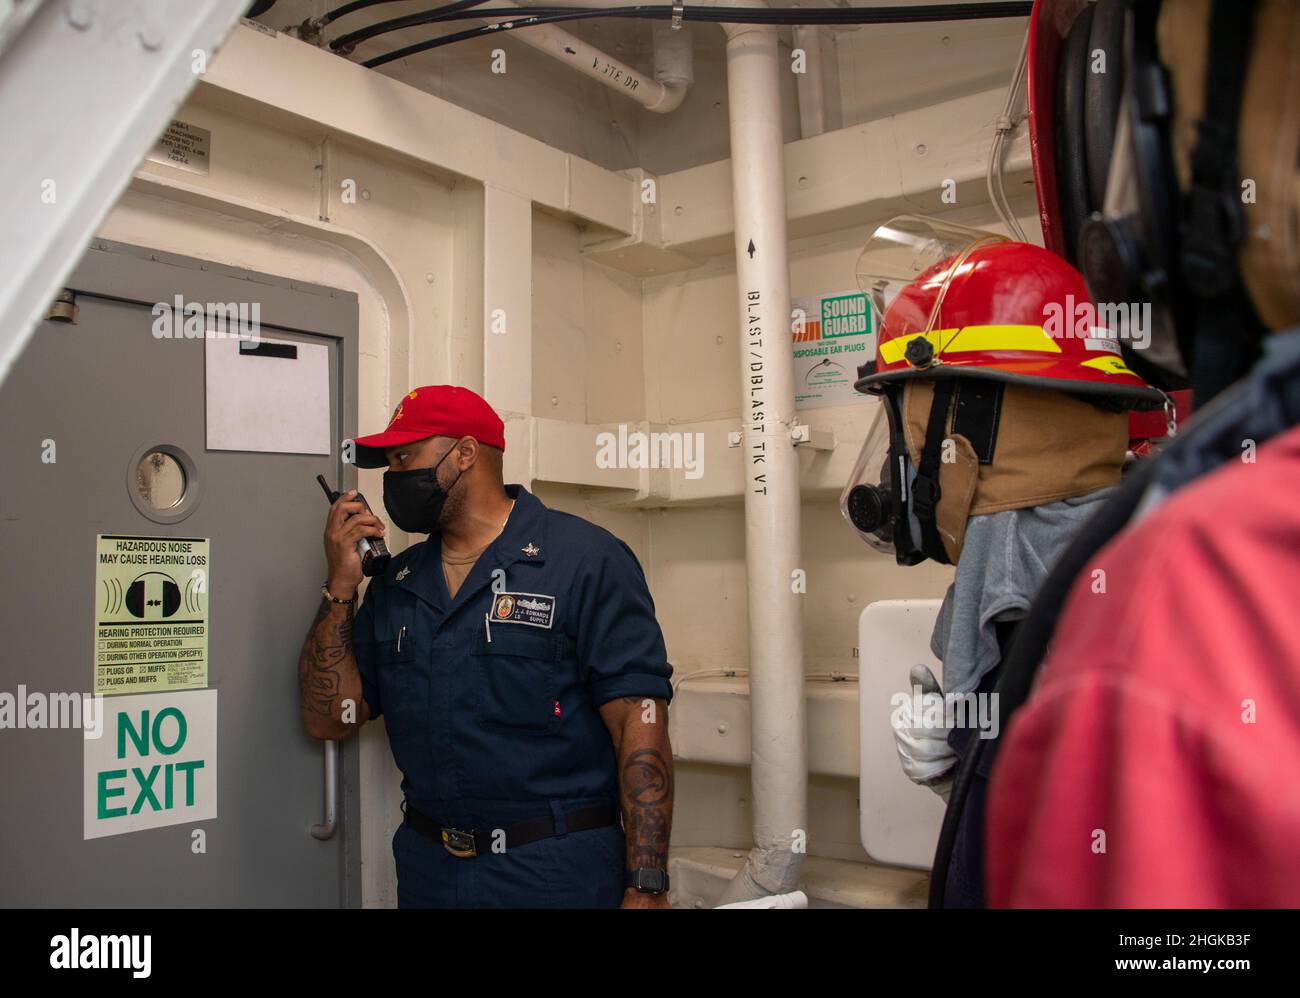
<point>674,63</point>
<point>809,84</point>
<point>779,765</point>
<point>673,72</point>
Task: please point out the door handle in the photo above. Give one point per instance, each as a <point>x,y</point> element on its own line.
<point>325,830</point>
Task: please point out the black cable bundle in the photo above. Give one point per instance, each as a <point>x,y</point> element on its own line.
<point>524,18</point>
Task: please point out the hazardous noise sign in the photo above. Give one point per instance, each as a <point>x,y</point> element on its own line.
<point>151,613</point>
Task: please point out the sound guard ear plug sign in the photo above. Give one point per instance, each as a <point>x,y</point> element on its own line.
<point>832,335</point>
<point>151,613</point>
<point>154,763</point>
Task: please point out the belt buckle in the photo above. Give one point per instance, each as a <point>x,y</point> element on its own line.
<point>459,843</point>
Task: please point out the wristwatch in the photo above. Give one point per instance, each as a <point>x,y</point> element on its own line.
<point>648,880</point>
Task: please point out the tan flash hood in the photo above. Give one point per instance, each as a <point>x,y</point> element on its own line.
<point>1046,446</point>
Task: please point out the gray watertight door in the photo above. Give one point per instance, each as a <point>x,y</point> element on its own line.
<point>104,428</point>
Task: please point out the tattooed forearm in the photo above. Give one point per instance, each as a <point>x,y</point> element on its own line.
<point>647,787</point>
<point>327,671</point>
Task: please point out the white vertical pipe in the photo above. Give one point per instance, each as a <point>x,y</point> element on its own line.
<point>772,552</point>
<point>809,84</point>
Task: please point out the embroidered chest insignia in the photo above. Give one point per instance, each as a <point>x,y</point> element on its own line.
<point>531,551</point>
<point>402,574</point>
<point>532,609</point>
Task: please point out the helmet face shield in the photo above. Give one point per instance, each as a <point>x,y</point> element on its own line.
<point>904,251</point>
<point>875,502</point>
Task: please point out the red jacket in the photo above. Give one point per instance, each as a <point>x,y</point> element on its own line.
<point>1157,762</point>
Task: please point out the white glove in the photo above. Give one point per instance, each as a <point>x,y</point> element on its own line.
<point>924,751</point>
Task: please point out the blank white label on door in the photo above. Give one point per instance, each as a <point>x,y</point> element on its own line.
<point>257,401</point>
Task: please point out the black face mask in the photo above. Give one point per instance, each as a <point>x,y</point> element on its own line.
<point>414,499</point>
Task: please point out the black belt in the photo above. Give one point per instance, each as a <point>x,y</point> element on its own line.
<point>464,843</point>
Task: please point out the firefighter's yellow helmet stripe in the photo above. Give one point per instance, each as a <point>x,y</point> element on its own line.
<point>1109,364</point>
<point>974,339</point>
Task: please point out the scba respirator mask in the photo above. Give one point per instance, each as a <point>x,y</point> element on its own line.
<point>877,501</point>
<point>1202,200</point>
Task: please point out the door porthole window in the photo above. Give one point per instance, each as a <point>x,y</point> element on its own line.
<point>163,483</point>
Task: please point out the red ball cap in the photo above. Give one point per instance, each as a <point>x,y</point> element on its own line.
<point>433,411</point>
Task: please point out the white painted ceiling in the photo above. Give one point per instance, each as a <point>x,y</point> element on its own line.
<point>876,70</point>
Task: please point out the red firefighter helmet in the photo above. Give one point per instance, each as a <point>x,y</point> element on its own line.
<point>954,301</point>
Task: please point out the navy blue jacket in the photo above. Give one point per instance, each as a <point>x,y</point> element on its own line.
<point>491,699</point>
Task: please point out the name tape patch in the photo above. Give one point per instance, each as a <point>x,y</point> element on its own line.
<point>532,609</point>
